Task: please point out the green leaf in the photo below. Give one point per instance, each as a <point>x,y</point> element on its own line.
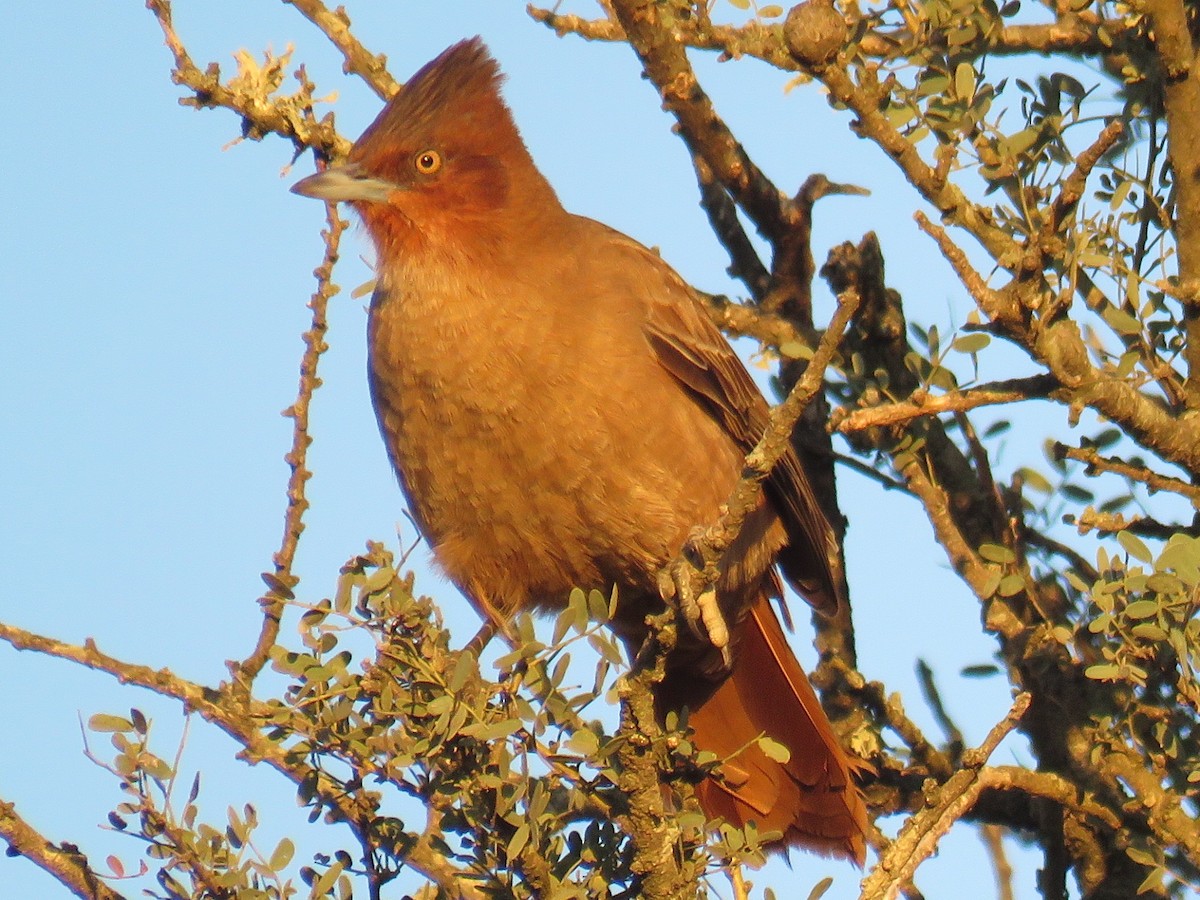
<point>326,882</point>
<point>1119,195</point>
<point>1141,609</point>
<point>1078,583</point>
<point>992,584</point>
<point>493,731</point>
<point>600,607</point>
<point>996,553</point>
<point>1011,585</point>
<point>964,81</point>
<point>1135,547</point>
<point>1077,493</point>
<point>1162,583</point>
<point>1103,672</point>
<point>1121,321</point>
<point>1035,480</point>
<point>982,670</point>
<point>283,855</point>
<point>774,750</point>
<point>1017,144</point>
<point>1149,631</point>
<point>104,722</point>
<point>795,350</point>
<point>584,742</point>
<point>605,648</point>
<point>971,343</point>
<point>1152,882</point>
<point>519,839</point>
<point>1141,857</point>
<point>462,671</point>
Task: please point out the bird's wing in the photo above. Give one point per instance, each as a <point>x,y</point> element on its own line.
<point>693,350</point>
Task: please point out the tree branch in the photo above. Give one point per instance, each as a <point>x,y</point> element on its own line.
<point>282,580</point>
<point>1153,480</point>
<point>289,117</point>
<point>1176,51</point>
<point>705,133</point>
<point>719,536</point>
<point>239,720</point>
<point>919,837</point>
<point>921,403</point>
<point>357,60</point>
<point>66,862</point>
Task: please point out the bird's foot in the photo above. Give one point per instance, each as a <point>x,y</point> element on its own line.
<point>697,602</point>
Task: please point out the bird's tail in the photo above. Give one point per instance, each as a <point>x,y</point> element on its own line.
<point>811,798</point>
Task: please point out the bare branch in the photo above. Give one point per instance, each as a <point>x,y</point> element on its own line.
<point>718,537</point>
<point>357,60</point>
<point>1139,473</point>
<point>993,841</point>
<point>744,320</point>
<point>919,837</point>
<point>921,403</point>
<point>240,720</point>
<point>66,862</point>
<point>289,117</point>
<point>1073,187</point>
<point>745,264</point>
<point>1113,523</point>
<point>1175,46</point>
<point>282,580</point>
<point>706,134</point>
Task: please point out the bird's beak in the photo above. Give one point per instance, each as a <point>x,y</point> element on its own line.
<point>344,182</point>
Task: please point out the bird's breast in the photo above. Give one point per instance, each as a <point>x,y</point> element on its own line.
<point>510,457</point>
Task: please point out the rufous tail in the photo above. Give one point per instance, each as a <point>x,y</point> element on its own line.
<point>812,798</point>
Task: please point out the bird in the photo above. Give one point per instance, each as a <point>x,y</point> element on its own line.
<point>561,413</point>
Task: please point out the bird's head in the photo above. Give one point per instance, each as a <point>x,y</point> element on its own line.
<point>443,165</point>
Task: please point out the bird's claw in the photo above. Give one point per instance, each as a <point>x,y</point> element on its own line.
<point>700,609</point>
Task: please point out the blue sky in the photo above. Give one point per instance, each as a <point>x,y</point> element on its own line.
<point>153,291</point>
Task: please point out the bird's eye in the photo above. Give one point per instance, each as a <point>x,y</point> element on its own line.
<point>428,162</point>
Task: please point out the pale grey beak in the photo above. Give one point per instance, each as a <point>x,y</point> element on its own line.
<point>346,182</point>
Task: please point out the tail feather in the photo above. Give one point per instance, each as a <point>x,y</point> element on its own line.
<point>812,798</point>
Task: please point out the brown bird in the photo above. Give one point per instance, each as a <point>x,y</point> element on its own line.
<point>561,413</point>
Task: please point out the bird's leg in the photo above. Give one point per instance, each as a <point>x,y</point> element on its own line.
<point>482,638</point>
<point>686,581</point>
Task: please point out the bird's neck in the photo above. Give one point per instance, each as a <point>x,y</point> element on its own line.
<point>463,240</point>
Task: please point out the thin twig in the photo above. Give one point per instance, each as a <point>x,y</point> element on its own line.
<point>933,698</point>
<point>1112,523</point>
<point>993,840</point>
<point>919,837</point>
<point>719,536</point>
<point>654,830</point>
<point>241,724</point>
<point>282,580</point>
<point>357,60</point>
<point>745,264</point>
<point>1153,480</point>
<point>289,117</point>
<point>922,404</point>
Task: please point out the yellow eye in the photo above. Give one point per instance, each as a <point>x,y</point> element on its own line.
<point>428,162</point>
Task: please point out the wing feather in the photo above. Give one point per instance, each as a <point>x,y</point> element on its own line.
<point>693,350</point>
